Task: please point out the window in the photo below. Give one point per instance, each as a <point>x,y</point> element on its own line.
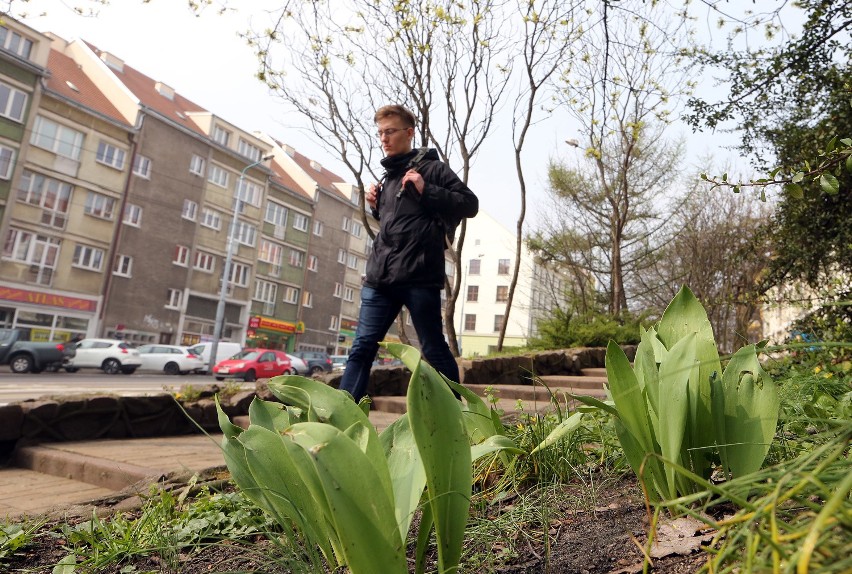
<point>318,228</point>
<point>196,165</point>
<point>221,135</point>
<point>86,257</point>
<point>276,214</point>
<point>174,299</point>
<point>349,294</point>
<point>297,258</point>
<point>57,138</point>
<point>15,43</point>
<point>245,233</point>
<point>313,263</point>
<point>204,261</point>
<point>338,290</point>
<point>7,161</point>
<point>12,102</point>
<point>190,209</point>
<point>307,299</point>
<point>99,205</point>
<point>291,295</point>
<point>211,218</point>
<point>110,155</point>
<point>142,166</point>
<point>218,176</point>
<point>248,150</point>
<point>123,265</point>
<point>53,196</point>
<point>181,256</point>
<point>351,261</point>
<point>300,222</point>
<point>250,193</point>
<point>270,252</point>
<point>239,274</point>
<point>265,291</point>
<point>473,266</point>
<point>341,256</point>
<point>498,322</point>
<point>357,228</point>
<point>473,293</point>
<point>347,224</point>
<point>503,267</point>
<point>334,324</point>
<point>39,251</point>
<point>502,293</point>
<point>469,322</point>
<point>133,215</point>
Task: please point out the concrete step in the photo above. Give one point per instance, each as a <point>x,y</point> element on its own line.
<point>509,405</point>
<point>533,392</point>
<point>595,371</point>
<point>381,419</point>
<point>25,492</point>
<point>577,382</point>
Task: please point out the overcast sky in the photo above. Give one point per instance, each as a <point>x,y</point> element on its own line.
<point>203,58</point>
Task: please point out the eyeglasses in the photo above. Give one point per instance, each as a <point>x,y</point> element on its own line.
<point>389,132</point>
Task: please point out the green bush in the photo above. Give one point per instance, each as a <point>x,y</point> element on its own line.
<point>570,328</point>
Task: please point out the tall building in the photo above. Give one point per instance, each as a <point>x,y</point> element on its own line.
<point>488,261</point>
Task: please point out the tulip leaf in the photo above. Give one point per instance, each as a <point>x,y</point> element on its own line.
<point>560,431</point>
<point>406,470</point>
<point>675,373</point>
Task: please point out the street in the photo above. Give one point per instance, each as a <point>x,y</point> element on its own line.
<point>15,387</point>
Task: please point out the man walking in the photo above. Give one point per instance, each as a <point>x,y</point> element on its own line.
<point>418,204</point>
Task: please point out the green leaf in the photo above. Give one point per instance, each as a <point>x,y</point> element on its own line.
<point>849,163</point>
<point>68,565</point>
<point>562,430</point>
<point>408,476</point>
<point>627,396</point>
<point>798,177</point>
<point>436,420</point>
<point>494,444</point>
<point>829,184</point>
<point>269,415</point>
<point>794,190</point>
<point>675,373</point>
<point>847,142</point>
<point>832,143</point>
<point>684,315</point>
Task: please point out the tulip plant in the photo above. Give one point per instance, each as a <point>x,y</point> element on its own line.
<point>675,406</point>
<point>315,463</point>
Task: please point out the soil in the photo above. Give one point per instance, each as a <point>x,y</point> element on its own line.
<point>599,538</point>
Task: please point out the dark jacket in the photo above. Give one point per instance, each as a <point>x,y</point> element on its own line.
<point>409,248</point>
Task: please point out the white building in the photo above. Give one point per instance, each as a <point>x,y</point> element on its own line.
<point>488,262</point>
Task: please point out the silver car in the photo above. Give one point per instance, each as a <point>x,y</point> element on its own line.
<point>170,359</point>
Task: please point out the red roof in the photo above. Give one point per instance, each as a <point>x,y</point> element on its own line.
<point>283,179</point>
<point>144,88</point>
<point>68,80</point>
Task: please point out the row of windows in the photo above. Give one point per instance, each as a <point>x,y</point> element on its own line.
<point>470,322</point>
<point>501,297</point>
<point>474,266</point>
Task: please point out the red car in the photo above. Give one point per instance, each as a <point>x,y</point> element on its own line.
<point>253,364</point>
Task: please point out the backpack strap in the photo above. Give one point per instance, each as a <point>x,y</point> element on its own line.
<point>418,158</point>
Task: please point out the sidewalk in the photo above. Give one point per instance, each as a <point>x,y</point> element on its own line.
<point>54,478</point>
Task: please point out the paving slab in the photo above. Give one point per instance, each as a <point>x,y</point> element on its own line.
<point>26,492</point>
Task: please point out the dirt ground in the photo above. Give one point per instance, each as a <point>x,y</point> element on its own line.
<point>598,540</point>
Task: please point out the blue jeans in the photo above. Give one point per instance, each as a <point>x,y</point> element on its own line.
<point>379,308</point>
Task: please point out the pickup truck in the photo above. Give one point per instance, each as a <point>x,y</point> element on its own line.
<point>30,356</point>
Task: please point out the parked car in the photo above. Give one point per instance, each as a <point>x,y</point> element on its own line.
<point>338,362</point>
<point>300,366</point>
<point>317,362</point>
<point>110,355</point>
<point>225,350</point>
<point>25,356</point>
<point>170,359</point>
<point>253,364</point>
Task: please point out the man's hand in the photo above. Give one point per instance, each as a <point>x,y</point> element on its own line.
<point>370,196</point>
<point>415,179</point>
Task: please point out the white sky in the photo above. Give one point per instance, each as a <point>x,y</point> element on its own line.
<point>204,59</point>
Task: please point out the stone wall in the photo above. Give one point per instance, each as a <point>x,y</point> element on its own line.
<point>108,416</point>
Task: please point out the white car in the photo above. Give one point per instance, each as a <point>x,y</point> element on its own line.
<point>170,359</point>
<point>110,355</point>
<point>298,364</point>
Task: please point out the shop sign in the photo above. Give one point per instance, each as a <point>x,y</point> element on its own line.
<point>269,324</point>
<point>348,327</point>
<point>49,299</point>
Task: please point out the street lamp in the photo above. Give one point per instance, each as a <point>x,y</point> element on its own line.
<point>226,272</point>
<point>464,298</point>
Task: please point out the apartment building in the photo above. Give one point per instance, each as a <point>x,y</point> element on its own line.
<point>488,263</point>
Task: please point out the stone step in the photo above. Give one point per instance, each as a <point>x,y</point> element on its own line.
<point>381,419</point>
<point>573,381</point>
<point>509,406</point>
<point>534,392</point>
<point>594,371</point>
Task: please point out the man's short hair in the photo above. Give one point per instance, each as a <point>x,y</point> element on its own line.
<point>401,112</point>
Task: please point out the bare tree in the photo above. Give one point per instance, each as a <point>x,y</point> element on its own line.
<point>340,61</point>
<point>548,29</point>
<point>620,88</point>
